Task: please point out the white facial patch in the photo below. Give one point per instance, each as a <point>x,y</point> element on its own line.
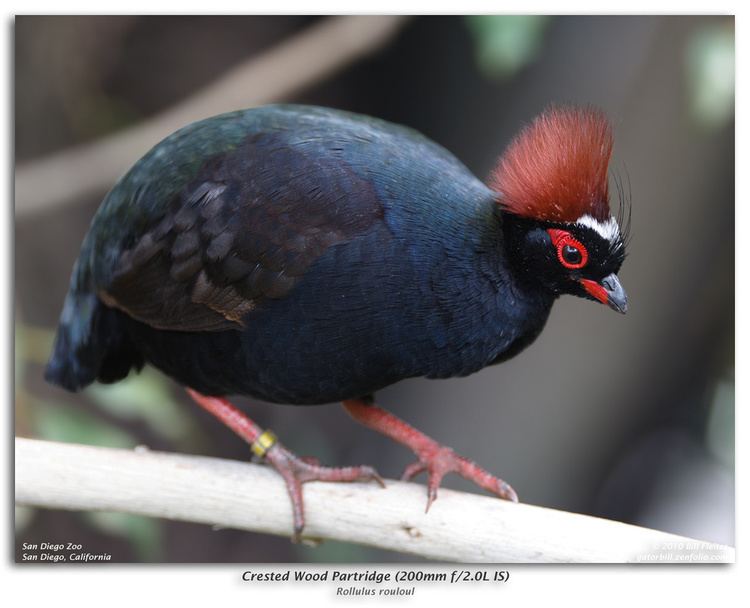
<point>608,230</point>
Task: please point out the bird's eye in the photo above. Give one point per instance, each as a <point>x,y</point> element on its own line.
<point>571,255</point>
<point>570,251</point>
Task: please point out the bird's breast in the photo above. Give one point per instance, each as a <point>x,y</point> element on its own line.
<point>370,312</point>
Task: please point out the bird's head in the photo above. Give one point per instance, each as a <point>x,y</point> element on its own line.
<point>552,185</point>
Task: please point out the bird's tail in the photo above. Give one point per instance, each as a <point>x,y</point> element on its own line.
<point>91,344</point>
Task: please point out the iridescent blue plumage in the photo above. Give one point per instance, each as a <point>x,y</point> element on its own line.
<point>300,255</point>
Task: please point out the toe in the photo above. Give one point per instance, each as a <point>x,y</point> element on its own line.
<point>413,470</point>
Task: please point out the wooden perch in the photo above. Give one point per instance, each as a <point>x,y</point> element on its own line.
<point>299,62</point>
<point>460,527</point>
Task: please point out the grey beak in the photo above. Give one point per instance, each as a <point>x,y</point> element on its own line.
<point>616,296</point>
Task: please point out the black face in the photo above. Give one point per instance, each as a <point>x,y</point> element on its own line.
<point>581,259</point>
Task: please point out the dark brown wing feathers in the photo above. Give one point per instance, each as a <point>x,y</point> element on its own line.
<point>239,237</point>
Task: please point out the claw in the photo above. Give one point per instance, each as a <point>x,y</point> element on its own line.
<point>438,460</point>
<point>295,471</point>
<point>432,487</point>
<point>505,491</point>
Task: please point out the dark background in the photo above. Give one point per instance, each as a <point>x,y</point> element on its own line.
<point>630,418</point>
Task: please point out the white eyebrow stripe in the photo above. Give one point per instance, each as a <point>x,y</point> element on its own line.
<point>608,230</point>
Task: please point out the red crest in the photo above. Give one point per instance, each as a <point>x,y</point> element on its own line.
<point>556,167</point>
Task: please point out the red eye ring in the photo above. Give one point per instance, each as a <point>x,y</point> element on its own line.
<point>562,239</point>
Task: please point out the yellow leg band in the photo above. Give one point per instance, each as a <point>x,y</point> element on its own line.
<point>265,441</point>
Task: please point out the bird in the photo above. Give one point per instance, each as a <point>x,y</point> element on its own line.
<point>304,255</point>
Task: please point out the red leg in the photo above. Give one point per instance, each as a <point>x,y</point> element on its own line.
<point>295,471</point>
<point>434,458</point>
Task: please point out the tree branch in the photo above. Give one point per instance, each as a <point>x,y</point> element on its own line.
<point>309,57</point>
<point>459,527</point>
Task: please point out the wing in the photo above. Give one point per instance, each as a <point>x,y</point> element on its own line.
<point>243,232</point>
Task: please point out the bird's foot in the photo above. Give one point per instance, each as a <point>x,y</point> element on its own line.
<point>294,470</point>
<point>438,460</point>
<point>434,458</point>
